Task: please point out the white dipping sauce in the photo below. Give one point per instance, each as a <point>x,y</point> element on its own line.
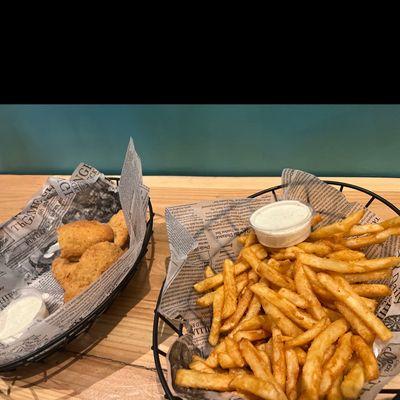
<point>282,224</point>
<point>19,314</point>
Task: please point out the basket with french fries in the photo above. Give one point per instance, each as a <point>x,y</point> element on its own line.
<point>302,322</point>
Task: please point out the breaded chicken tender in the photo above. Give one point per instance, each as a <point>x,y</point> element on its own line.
<point>76,237</point>
<point>118,225</point>
<point>61,268</point>
<point>94,261</point>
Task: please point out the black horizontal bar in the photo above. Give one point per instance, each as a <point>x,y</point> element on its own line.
<point>170,324</point>
<point>369,201</point>
<point>162,353</point>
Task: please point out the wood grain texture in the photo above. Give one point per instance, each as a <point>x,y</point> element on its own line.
<point>113,359</point>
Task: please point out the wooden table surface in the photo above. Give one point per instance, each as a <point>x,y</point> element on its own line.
<point>113,359</point>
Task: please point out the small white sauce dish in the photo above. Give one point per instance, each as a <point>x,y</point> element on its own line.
<point>282,224</point>
<point>23,311</point>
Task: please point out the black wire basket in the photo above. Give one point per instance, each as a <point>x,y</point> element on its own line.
<point>178,328</point>
<point>83,326</point>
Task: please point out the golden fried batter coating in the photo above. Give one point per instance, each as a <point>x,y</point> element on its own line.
<point>74,238</point>
<point>118,225</point>
<point>95,260</point>
<point>75,277</point>
<point>61,268</point>
<point>72,289</point>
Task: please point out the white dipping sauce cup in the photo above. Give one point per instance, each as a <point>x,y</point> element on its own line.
<point>282,224</point>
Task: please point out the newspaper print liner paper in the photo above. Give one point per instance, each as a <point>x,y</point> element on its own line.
<point>203,234</point>
<point>25,238</point>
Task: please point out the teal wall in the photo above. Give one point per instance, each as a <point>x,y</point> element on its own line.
<point>203,139</point>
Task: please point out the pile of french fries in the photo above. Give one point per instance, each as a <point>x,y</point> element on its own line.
<point>298,322</point>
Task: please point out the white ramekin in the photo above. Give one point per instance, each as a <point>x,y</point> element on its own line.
<point>288,236</point>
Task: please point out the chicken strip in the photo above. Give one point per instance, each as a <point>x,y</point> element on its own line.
<point>61,268</point>
<point>94,261</point>
<point>118,225</point>
<point>74,238</point>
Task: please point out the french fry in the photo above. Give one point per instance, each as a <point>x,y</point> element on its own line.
<point>208,272</point>
<point>226,361</point>
<point>334,245</point>
<point>263,389</point>
<point>201,380</point>
<point>309,335</point>
<point>201,367</point>
<point>284,323</point>
<point>212,359</point>
<point>332,314</point>
<point>242,238</point>
<point>316,219</point>
<point>303,287</point>
<point>218,304</point>
<point>275,277</point>
<point>384,235</point>
<point>362,241</point>
<point>358,230</point>
<point>347,255</point>
<point>254,361</point>
<point>237,371</point>
<point>312,373</point>
<point>389,223</point>
<point>328,354</point>
<point>254,323</point>
<point>317,288</point>
<point>372,290</point>
<point>262,268</point>
<point>218,279</point>
<point>301,318</point>
<point>269,348</point>
<point>371,304</point>
<point>378,263</point>
<point>278,357</point>
<point>356,322</point>
<point>368,276</point>
<point>253,277</point>
<point>335,393</point>
<point>293,297</point>
<point>355,303</point>
<point>338,227</point>
<point>250,239</point>
<point>252,336</point>
<point>232,349</point>
<point>377,238</point>
<point>267,362</point>
<point>329,264</point>
<point>241,308</point>
<point>259,250</point>
<point>230,294</point>
<point>207,299</point>
<point>319,248</point>
<point>301,355</point>
<point>284,266</point>
<point>348,267</point>
<point>289,253</point>
<point>367,357</point>
<point>292,373</point>
<point>353,382</point>
<point>254,308</point>
<point>337,364</point>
